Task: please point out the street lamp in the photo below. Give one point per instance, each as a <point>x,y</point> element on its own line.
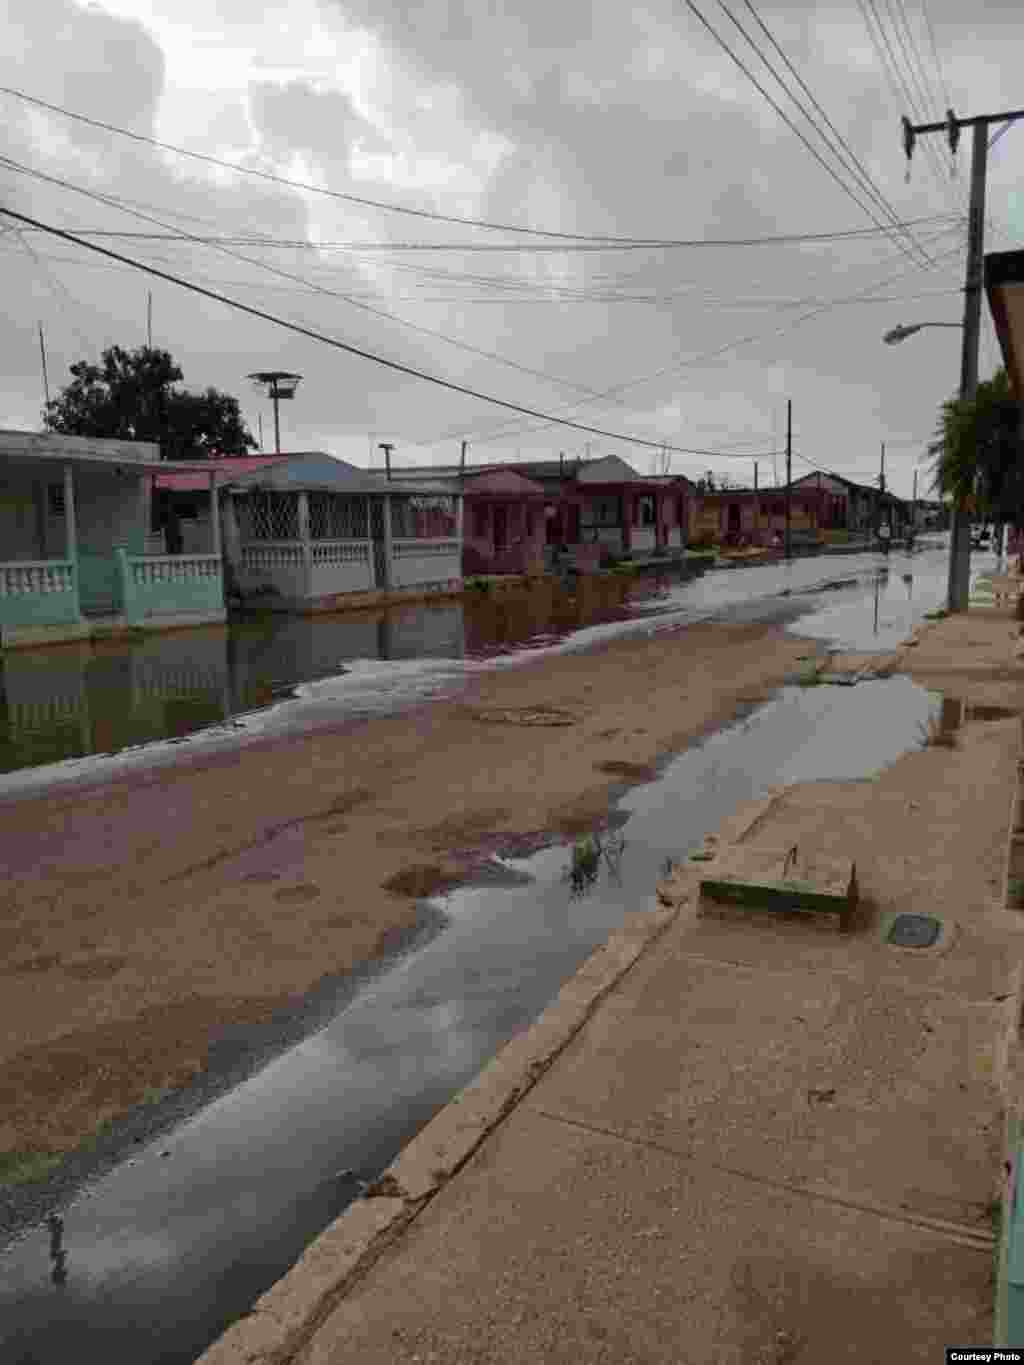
<point>959,543</point>
<point>901,332</point>
<point>279,384</point>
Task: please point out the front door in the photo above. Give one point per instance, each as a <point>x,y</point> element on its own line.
<point>500,528</point>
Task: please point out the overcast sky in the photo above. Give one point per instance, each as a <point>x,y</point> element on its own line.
<point>595,119</point>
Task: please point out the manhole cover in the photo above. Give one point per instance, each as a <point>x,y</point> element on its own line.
<point>914,931</point>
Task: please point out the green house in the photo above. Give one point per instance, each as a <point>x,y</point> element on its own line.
<point>76,553</point>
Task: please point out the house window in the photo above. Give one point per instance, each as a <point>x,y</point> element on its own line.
<point>645,511</point>
<point>55,499</point>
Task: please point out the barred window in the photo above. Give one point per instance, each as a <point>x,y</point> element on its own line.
<point>269,516</point>
<point>334,516</point>
<point>55,499</point>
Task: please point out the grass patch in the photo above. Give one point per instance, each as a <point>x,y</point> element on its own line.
<point>939,614</point>
<point>477,585</point>
<point>1015,893</point>
<point>812,676</point>
<point>26,1168</point>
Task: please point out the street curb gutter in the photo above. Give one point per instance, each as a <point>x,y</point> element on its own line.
<point>285,1318</point>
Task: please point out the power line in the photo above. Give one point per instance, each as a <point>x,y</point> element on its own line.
<point>305,244</point>
<point>595,238</point>
<point>789,122</point>
<point>947,97</point>
<point>345,346</point>
<point>714,354</point>
<point>839,147</point>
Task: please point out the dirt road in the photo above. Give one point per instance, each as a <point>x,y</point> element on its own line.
<point>140,920</point>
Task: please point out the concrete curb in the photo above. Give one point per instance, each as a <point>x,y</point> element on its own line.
<point>283,1320</point>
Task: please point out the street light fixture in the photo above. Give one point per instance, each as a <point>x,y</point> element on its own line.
<point>279,384</point>
<point>901,332</point>
<point>959,542</point>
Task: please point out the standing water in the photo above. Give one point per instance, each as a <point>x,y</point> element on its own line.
<point>156,1257</point>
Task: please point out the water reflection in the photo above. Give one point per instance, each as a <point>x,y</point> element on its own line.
<point>588,856</point>
<point>98,698</point>
<point>58,1256</point>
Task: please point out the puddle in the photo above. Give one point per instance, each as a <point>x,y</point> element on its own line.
<point>162,1252</point>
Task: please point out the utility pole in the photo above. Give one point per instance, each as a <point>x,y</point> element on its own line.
<point>462,460</point>
<point>46,381</point>
<point>387,447</point>
<point>960,539</point>
<point>789,471</point>
<point>914,514</point>
<point>149,319</point>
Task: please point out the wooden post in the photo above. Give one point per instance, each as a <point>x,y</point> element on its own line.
<point>307,552</point>
<point>71,534</point>
<point>215,536</point>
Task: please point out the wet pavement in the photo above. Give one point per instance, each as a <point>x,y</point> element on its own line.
<point>155,1258</point>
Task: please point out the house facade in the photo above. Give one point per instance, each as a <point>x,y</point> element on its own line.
<point>314,533</point>
<point>76,558</point>
<point>504,527</point>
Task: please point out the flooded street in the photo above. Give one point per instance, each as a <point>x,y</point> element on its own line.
<point>156,1257</point>
<point>81,713</point>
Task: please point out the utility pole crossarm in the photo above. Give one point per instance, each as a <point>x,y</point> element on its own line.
<point>944,126</point>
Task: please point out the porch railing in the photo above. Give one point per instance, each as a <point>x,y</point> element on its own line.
<point>403,549</point>
<point>33,577</point>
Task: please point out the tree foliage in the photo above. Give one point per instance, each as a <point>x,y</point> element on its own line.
<point>135,395</point>
<point>979,451</point>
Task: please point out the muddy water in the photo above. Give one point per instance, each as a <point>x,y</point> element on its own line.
<point>78,700</point>
<point>157,1257</point>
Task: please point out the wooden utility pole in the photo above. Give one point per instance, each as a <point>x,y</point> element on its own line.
<point>46,381</point>
<point>789,472</point>
<point>960,539</point>
<point>149,319</point>
<point>462,460</point>
<point>914,514</point>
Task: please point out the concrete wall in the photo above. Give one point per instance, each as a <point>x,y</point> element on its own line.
<point>340,566</point>
<point>181,587</point>
<point>418,563</point>
<point>273,569</point>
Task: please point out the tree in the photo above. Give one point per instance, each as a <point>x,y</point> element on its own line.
<point>133,395</point>
<point>979,452</point>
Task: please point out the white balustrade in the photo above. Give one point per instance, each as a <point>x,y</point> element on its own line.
<point>340,551</point>
<point>148,571</point>
<point>404,548</point>
<point>32,578</point>
<point>288,554</point>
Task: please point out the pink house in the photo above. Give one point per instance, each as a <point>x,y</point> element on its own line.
<point>503,527</point>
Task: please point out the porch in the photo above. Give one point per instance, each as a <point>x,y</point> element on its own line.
<point>314,550</point>
<point>74,517</point>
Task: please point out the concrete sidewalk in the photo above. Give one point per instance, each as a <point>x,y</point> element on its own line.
<point>744,1139</point>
